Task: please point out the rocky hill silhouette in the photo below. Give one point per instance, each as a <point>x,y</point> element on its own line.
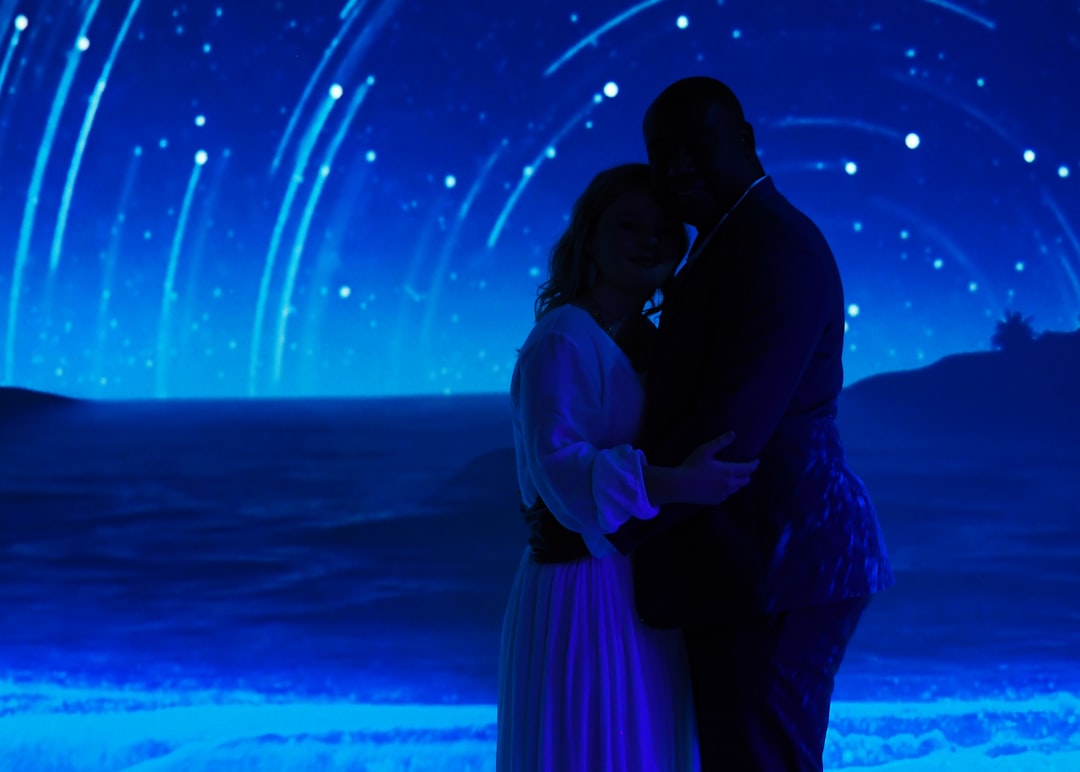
<point>18,402</point>
<point>1030,393</point>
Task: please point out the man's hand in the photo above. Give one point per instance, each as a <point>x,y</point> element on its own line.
<point>705,479</point>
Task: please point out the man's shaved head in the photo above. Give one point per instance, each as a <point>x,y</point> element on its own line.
<point>699,95</point>
<point>701,148</point>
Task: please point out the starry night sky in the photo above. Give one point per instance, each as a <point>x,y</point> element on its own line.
<point>358,197</point>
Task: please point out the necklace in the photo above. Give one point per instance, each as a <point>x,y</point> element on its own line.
<point>630,338</point>
<point>696,252</point>
<point>612,329</point>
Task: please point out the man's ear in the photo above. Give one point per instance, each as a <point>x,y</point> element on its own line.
<point>749,148</point>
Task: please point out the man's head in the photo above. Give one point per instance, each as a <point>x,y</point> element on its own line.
<point>701,148</point>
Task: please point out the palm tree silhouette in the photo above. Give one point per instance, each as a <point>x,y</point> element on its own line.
<point>1013,332</point>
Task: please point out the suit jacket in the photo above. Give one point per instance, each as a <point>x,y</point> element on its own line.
<point>751,337</point>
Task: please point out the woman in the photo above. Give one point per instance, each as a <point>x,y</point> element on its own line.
<point>584,685</point>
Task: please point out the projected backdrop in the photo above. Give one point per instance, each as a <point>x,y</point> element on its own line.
<point>357,197</point>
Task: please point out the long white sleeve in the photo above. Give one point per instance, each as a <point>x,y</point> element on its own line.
<point>591,488</point>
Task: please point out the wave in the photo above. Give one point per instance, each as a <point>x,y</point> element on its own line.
<point>990,733</point>
<point>49,727</point>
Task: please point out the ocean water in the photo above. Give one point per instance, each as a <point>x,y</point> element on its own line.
<point>319,585</point>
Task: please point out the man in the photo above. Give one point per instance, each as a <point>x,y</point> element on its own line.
<point>769,587</point>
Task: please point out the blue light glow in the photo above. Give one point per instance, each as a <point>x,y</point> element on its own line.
<point>273,200</point>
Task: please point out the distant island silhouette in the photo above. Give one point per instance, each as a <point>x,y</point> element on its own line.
<point>1027,389</point>
<point>16,401</point>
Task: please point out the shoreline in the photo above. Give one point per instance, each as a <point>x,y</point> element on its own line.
<point>49,726</point>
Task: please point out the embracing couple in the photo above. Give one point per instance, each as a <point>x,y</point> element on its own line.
<point>700,551</point>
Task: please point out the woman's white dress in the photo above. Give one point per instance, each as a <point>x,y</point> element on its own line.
<point>583,684</point>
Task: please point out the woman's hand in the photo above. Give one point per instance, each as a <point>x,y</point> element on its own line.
<point>705,479</point>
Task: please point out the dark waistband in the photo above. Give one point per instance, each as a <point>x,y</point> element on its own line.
<point>549,540</point>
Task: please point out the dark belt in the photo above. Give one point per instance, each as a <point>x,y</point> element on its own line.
<point>549,540</point>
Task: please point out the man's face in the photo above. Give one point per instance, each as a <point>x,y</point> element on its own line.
<point>696,160</point>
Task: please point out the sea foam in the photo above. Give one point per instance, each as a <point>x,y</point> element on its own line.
<point>47,728</point>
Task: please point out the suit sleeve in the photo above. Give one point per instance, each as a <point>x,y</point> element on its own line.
<point>589,489</point>
<point>764,340</point>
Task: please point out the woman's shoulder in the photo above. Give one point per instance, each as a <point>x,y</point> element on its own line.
<point>567,320</point>
<point>561,347</point>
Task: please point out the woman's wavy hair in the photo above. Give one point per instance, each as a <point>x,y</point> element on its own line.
<point>569,265</point>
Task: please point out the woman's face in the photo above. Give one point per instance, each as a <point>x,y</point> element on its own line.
<point>637,243</point>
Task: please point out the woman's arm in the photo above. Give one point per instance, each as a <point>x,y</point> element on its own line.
<point>591,489</point>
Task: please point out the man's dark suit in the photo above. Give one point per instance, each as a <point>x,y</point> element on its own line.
<point>751,338</point>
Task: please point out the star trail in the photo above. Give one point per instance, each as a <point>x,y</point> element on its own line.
<point>358,197</point>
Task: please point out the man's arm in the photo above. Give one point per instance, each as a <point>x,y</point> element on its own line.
<point>751,374</point>
<point>758,362</point>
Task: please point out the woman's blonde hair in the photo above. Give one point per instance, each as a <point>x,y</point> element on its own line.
<point>569,266</point>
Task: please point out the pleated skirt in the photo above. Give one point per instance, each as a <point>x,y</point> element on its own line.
<point>583,684</point>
